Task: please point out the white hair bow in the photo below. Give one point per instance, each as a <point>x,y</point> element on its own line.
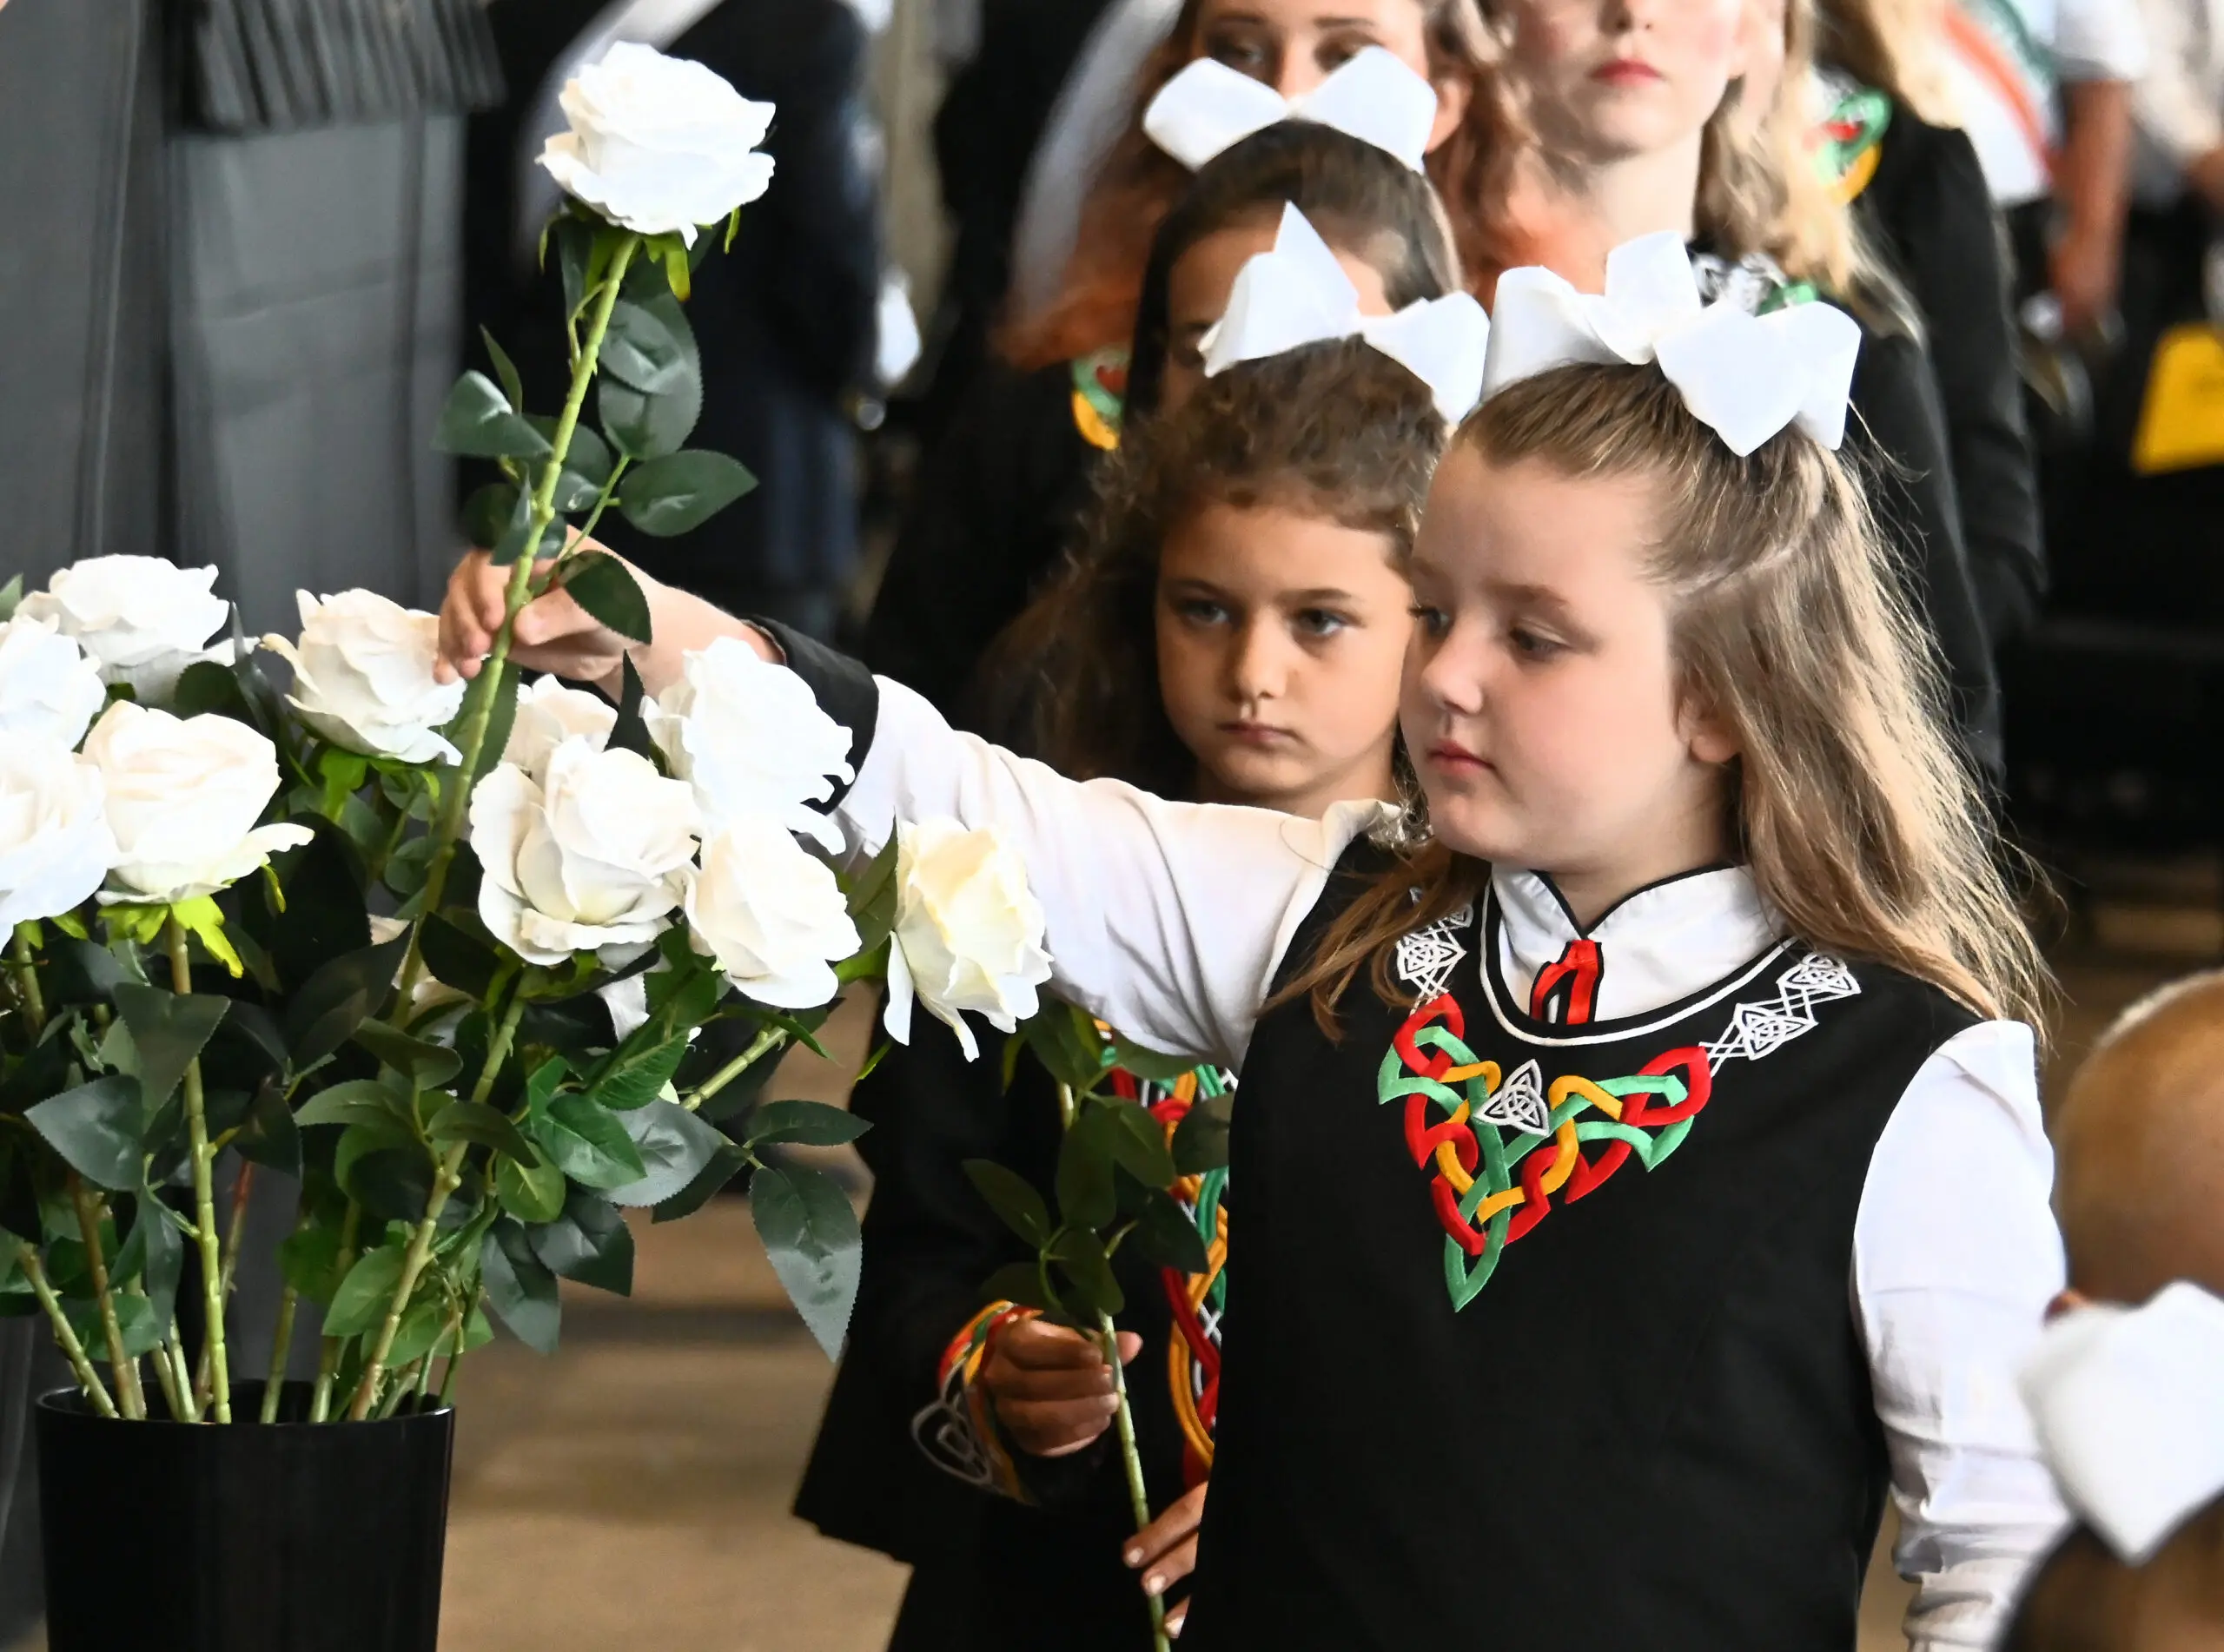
<point>1372,96</point>
<point>1297,295</point>
<point>2125,1403</point>
<point>1747,376</point>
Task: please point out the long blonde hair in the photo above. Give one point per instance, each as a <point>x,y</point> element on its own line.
<point>1849,804</point>
<point>1896,46</point>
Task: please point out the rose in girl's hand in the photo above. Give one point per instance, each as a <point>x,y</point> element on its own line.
<point>1165,1552</point>
<point>1050,1386</point>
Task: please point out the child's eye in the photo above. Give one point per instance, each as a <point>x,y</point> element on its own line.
<point>1199,611</point>
<point>1435,621</point>
<point>1319,622</point>
<point>1534,645</point>
<point>1246,56</point>
<point>1338,50</point>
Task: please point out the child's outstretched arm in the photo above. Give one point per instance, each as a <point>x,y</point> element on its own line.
<point>1166,920</point>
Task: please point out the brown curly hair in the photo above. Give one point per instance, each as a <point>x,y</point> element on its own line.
<point>1337,431</point>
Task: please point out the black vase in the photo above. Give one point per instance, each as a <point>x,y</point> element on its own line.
<point>293,1538</point>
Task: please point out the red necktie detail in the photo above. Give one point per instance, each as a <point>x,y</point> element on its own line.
<point>1578,972</point>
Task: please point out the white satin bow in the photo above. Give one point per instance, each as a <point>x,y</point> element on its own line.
<point>1746,376</point>
<point>2124,1401</point>
<point>1372,96</point>
<point>1297,295</point>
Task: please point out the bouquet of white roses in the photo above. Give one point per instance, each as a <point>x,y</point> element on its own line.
<point>443,953</point>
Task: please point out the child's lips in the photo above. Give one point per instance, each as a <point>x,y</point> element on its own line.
<point>1255,734</point>
<point>1455,758</point>
<point>1626,71</point>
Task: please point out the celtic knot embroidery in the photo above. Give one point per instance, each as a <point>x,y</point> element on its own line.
<point>1428,955</point>
<point>1502,1148</point>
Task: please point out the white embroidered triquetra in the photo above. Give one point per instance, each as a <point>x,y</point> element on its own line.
<point>1758,1029</point>
<point>1427,956</point>
<point>1519,1104</point>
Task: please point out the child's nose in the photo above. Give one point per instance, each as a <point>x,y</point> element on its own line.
<point>1257,669</point>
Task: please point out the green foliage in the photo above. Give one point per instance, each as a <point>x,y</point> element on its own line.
<point>811,1233</point>
<point>1201,1139</point>
<point>674,1147</point>
<point>682,491</point>
<point>478,421</point>
<point>589,1242</point>
<point>606,588</point>
<point>650,423</point>
<point>807,1124</point>
<point>96,1128</point>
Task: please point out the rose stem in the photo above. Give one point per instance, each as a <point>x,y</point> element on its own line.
<point>445,1181</point>
<point>204,1197</point>
<point>767,1039</point>
<point>88,1379</point>
<point>179,1384</point>
<point>328,1362</point>
<point>242,1186</point>
<point>281,1348</point>
<point>456,802</point>
<point>27,980</point>
<point>128,1394</point>
<point>181,1411</point>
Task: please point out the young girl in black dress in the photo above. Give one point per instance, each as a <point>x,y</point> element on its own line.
<point>1642,1159</point>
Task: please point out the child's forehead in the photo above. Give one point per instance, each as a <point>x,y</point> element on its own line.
<point>1528,523</point>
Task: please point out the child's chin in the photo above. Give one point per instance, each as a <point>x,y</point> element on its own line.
<point>1477,829</point>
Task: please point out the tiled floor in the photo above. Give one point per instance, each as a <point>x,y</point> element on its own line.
<point>630,1495</point>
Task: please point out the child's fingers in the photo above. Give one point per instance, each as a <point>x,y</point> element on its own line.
<point>1170,1540</point>
<point>1129,1345</point>
<point>1055,1428</point>
<point>1171,1567</point>
<point>1177,1615</point>
<point>1038,1346</point>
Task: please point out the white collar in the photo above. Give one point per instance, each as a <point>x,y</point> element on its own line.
<point>1667,941</point>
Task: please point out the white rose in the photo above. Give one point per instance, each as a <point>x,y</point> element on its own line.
<point>183,795</point>
<point>49,687</point>
<point>659,143</point>
<point>771,915</point>
<point>750,737</point>
<point>54,843</point>
<point>549,714</point>
<point>143,620</point>
<point>968,931</point>
<point>592,854</point>
<point>363,677</point>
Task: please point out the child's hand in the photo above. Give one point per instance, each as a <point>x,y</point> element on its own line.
<point>1050,1386</point>
<point>1168,1547</point>
<point>553,633</point>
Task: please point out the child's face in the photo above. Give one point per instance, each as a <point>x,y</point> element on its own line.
<point>1541,704</point>
<point>1294,45</point>
<point>1279,640</point>
<point>1613,79</point>
<point>1196,296</point>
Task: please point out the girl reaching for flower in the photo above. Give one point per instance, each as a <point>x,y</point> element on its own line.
<point>1692,1036</point>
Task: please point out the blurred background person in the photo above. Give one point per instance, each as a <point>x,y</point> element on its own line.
<point>787,323</point>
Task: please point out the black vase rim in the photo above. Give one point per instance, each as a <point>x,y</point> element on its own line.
<point>70,1401</point>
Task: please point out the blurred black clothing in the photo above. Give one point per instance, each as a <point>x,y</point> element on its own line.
<point>992,116</point>
<point>989,1573</point>
<point>1929,213</point>
<point>785,320</point>
<point>999,499</point>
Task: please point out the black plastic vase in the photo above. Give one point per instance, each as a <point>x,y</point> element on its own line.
<point>293,1538</point>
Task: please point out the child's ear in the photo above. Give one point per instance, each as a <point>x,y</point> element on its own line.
<point>1454,92</point>
<point>1708,738</point>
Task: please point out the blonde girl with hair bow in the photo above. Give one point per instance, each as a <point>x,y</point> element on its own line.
<point>1643,1161</point>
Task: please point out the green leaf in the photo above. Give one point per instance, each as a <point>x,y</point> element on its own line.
<point>519,1288</point>
<point>587,1143</point>
<point>168,1030</point>
<point>1165,1236</point>
<point>500,718</point>
<point>310,1260</point>
<point>322,884</point>
<point>709,1182</point>
<point>457,957</point>
<point>505,369</point>
<point>812,1124</point>
<point>1080,1260</point>
<point>355,1102</point>
<point>381,1164</point>
<point>604,586</point>
<point>423,1325</point>
<point>487,513</point>
<point>630,733</point>
<point>1067,1043</point>
<point>476,1122</point>
<point>79,971</point>
<point>361,1302</point>
<point>531,1192</point>
<point>872,902</point>
<point>649,426</point>
<point>478,422</point>
<point>517,532</point>
<point>427,1066</point>
<point>10,595</point>
<point>681,490</point>
<point>1012,1198</point>
<point>1086,1198</point>
<point>270,1136</point>
<point>96,1128</point>
<point>336,1000</point>
<point>154,1253</point>
<point>1020,1283</point>
<point>674,1145</point>
<point>588,465</point>
<point>136,1322</point>
<point>1201,1139</point>
<point>641,351</point>
<point>1138,1143</point>
<point>811,1234</point>
<point>1150,1064</point>
<point>589,1242</point>
<point>637,1075</point>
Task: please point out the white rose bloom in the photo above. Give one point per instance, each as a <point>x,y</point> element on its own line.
<point>771,915</point>
<point>143,620</point>
<point>590,855</point>
<point>363,677</point>
<point>54,843</point>
<point>49,687</point>
<point>659,143</point>
<point>968,931</point>
<point>183,795</point>
<point>750,737</point>
<point>549,714</point>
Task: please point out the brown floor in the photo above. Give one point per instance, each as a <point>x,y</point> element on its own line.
<point>630,1495</point>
